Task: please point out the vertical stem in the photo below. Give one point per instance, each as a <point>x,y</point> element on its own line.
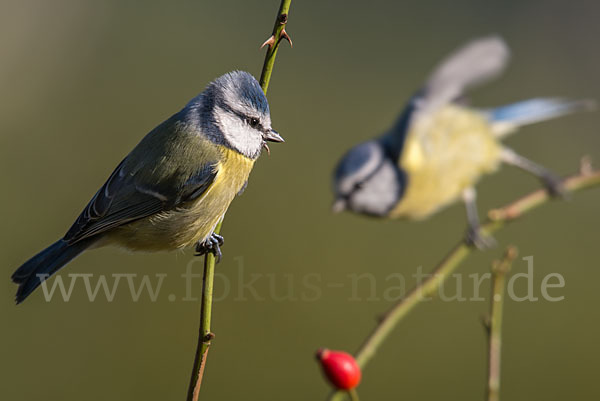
<point>280,22</point>
<point>499,272</point>
<point>205,336</point>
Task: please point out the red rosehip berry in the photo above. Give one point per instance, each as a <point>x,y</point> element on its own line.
<point>340,368</point>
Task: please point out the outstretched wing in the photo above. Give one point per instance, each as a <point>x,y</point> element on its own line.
<point>475,63</point>
<point>472,64</point>
<point>123,199</point>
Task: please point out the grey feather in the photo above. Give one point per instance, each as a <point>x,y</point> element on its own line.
<point>473,64</point>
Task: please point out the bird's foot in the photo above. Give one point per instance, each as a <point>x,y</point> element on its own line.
<point>555,186</point>
<point>478,239</point>
<point>212,244</point>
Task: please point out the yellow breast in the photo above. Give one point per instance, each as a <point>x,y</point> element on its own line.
<point>442,156</point>
<point>195,221</point>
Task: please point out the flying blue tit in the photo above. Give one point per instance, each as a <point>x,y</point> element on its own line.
<point>174,187</point>
<point>439,148</point>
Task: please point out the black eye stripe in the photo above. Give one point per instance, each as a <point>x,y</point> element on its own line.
<point>362,182</point>
<point>251,121</point>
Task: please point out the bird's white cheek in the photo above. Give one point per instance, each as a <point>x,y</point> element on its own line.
<point>243,138</point>
<point>230,125</point>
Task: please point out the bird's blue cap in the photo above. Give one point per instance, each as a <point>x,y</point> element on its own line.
<point>245,88</point>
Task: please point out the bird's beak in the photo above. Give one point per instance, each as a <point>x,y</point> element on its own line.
<point>339,205</point>
<point>272,136</point>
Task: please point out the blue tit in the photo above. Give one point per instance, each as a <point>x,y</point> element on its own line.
<point>174,187</point>
<point>439,147</point>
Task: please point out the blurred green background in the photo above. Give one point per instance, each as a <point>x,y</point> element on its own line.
<point>82,81</point>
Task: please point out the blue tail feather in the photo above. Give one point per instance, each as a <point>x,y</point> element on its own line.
<point>47,262</point>
<point>535,110</point>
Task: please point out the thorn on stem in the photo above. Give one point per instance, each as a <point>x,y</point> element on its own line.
<point>284,35</point>
<point>270,42</point>
<point>486,322</point>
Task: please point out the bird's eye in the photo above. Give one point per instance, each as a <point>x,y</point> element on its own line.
<point>253,122</point>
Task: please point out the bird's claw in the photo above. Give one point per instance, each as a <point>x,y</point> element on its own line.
<point>212,244</point>
<point>555,186</point>
<point>478,239</point>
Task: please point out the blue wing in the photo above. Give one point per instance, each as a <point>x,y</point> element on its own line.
<point>123,199</point>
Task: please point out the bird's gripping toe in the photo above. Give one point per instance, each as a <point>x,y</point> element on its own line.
<point>475,237</point>
<point>212,244</point>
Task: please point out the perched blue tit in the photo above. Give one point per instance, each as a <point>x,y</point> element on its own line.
<point>174,187</point>
<point>439,148</point>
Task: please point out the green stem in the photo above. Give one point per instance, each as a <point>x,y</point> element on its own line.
<point>499,272</point>
<point>280,23</point>
<point>205,336</point>
<point>497,219</point>
<point>353,395</point>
